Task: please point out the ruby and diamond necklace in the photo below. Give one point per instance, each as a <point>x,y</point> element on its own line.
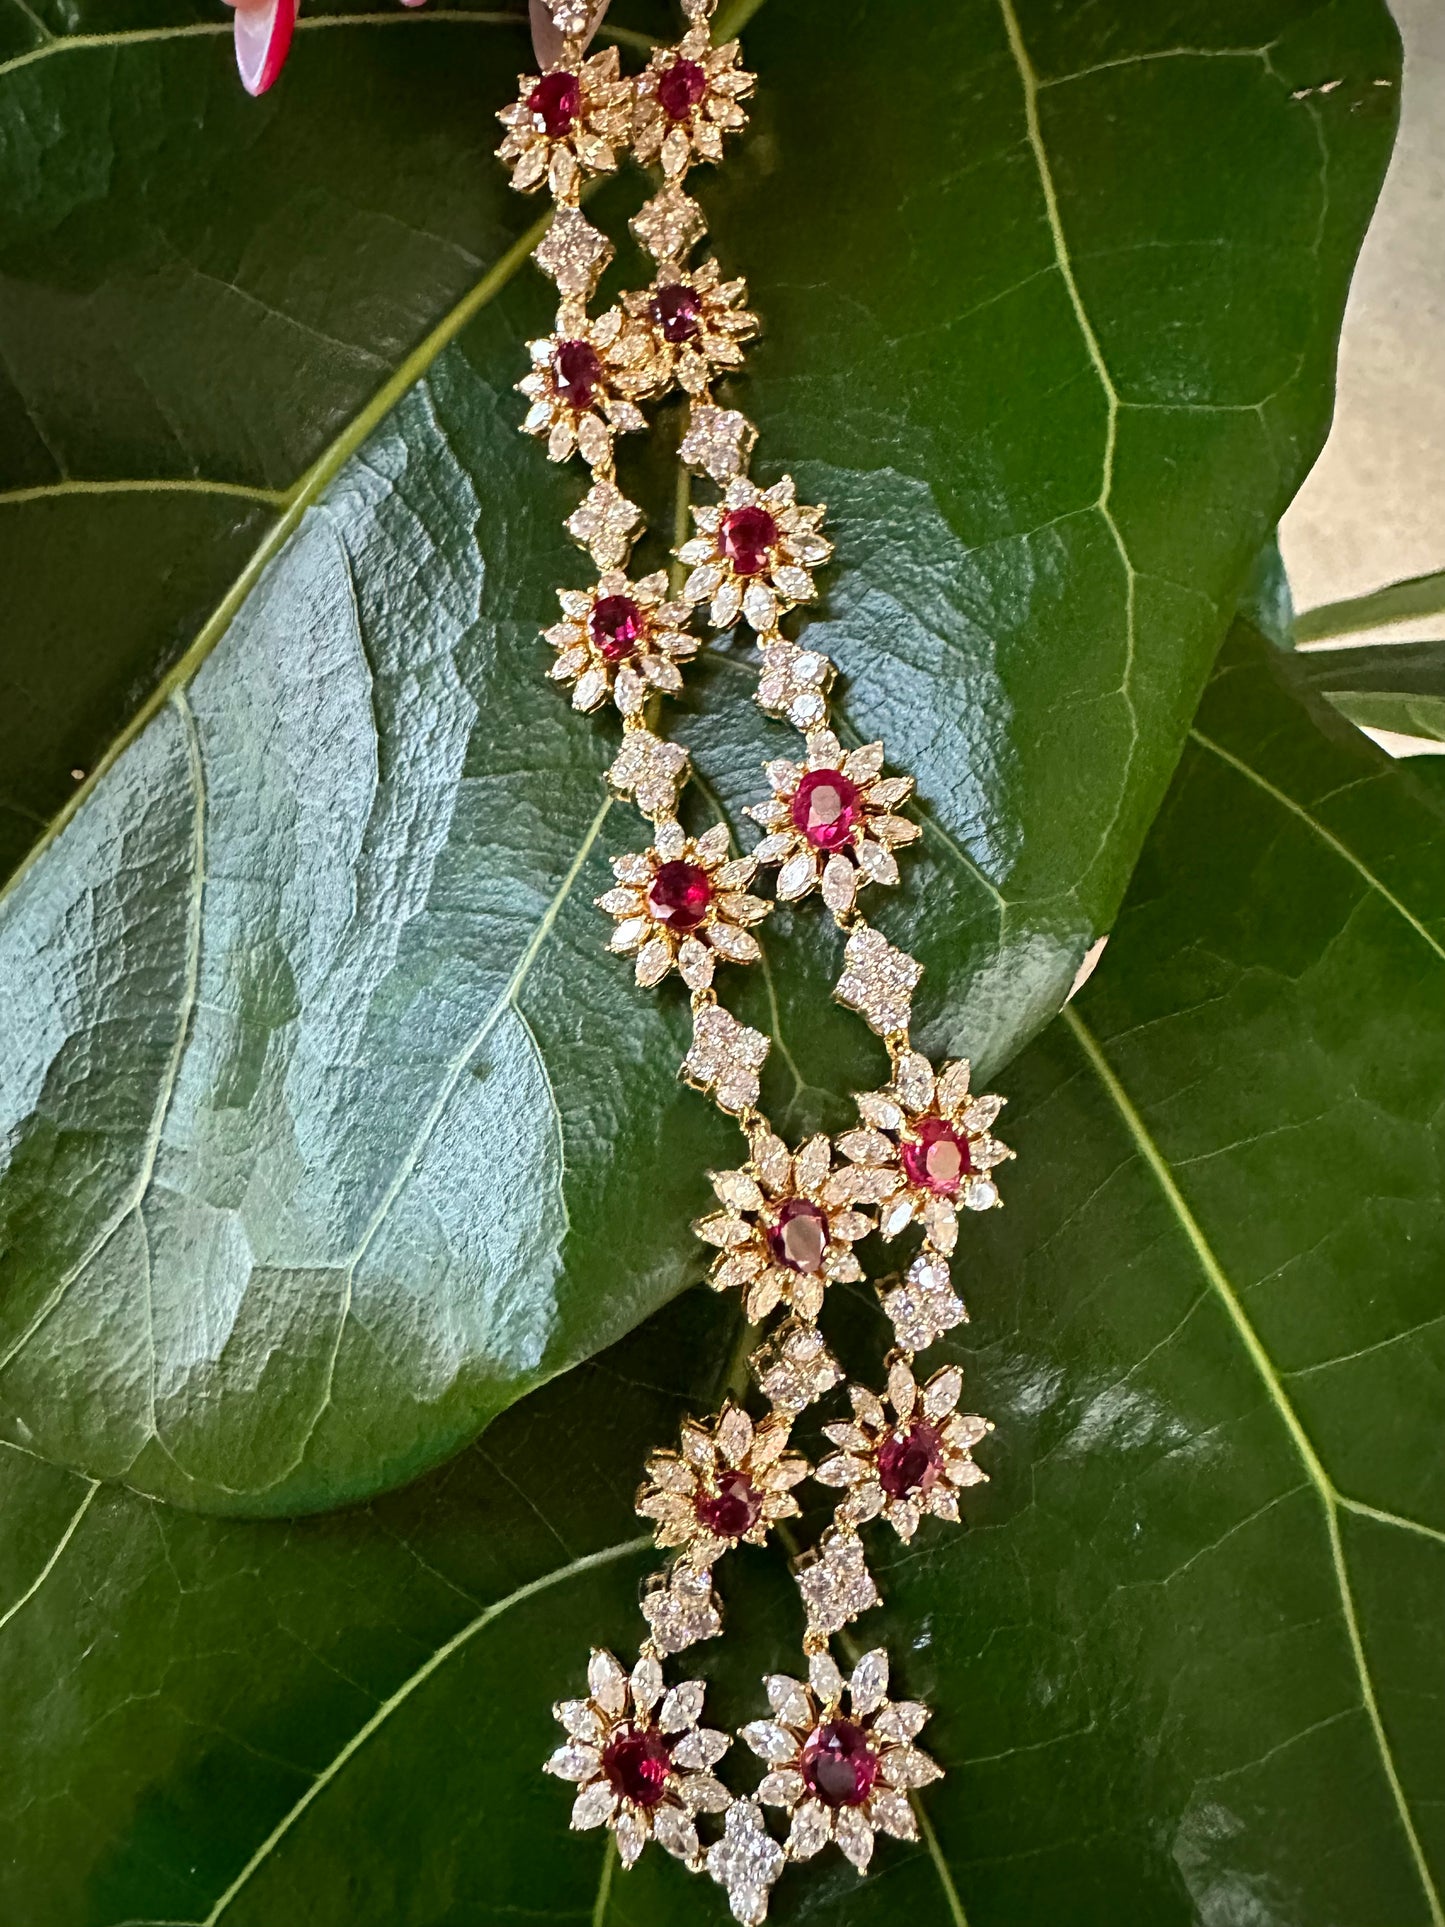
<point>840,1756</point>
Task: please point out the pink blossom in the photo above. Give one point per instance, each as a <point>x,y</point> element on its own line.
<point>263,38</point>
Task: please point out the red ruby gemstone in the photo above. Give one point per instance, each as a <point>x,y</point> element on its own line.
<point>734,1509</point>
<point>910,1462</point>
<point>616,627</point>
<point>681,88</point>
<point>554,104</point>
<point>678,313</point>
<point>939,1160</point>
<point>799,1239</point>
<point>637,1764</point>
<point>825,809</point>
<point>748,537</point>
<point>577,369</point>
<point>680,895</point>
<point>839,1765</point>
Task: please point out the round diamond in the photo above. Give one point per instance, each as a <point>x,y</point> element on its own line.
<point>826,810</point>
<point>616,627</point>
<point>910,1462</point>
<point>637,1763</point>
<point>577,368</point>
<point>733,1509</point>
<point>839,1765</point>
<point>678,313</point>
<point>554,104</point>
<point>748,538</point>
<point>938,1157</point>
<point>799,1239</point>
<point>680,895</point>
<point>681,88</point>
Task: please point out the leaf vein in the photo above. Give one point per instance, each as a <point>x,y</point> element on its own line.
<point>61,1543</point>
<point>1327,837</point>
<point>559,1575</point>
<point>1330,1499</point>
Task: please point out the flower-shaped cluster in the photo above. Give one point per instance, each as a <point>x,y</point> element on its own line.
<point>640,1761</point>
<point>684,904</point>
<point>841,1777</point>
<point>730,1482</point>
<point>831,821</point>
<point>621,639</point>
<point>753,555</point>
<point>933,1138</point>
<point>584,386</point>
<point>697,323</point>
<point>788,1227</point>
<point>566,124</point>
<point>913,1464</point>
<point>688,100</point>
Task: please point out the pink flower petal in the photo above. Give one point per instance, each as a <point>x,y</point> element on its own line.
<point>263,40</point>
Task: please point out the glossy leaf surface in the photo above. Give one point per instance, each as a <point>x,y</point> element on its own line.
<point>329,1126</point>
<point>1185,1661</point>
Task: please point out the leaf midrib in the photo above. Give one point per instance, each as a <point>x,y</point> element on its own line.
<point>1331,1499</point>
<point>306,493</point>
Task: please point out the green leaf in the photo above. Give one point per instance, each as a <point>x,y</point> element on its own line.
<point>1398,686</point>
<point>331,1129</point>
<point>1421,595</point>
<point>1189,1651</point>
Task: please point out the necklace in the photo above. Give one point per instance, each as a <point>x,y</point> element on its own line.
<point>840,1754</point>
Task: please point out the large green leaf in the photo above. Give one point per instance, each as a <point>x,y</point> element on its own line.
<point>1186,1664</point>
<point>329,1125</point>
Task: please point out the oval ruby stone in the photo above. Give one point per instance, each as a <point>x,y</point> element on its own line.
<point>680,895</point>
<point>554,104</point>
<point>799,1239</point>
<point>681,88</point>
<point>748,537</point>
<point>910,1462</point>
<point>637,1764</point>
<point>577,369</point>
<point>615,626</point>
<point>678,313</point>
<point>939,1159</point>
<point>825,809</point>
<point>839,1765</point>
<point>733,1509</point>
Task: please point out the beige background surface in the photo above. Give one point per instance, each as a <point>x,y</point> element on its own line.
<point>1373,510</point>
